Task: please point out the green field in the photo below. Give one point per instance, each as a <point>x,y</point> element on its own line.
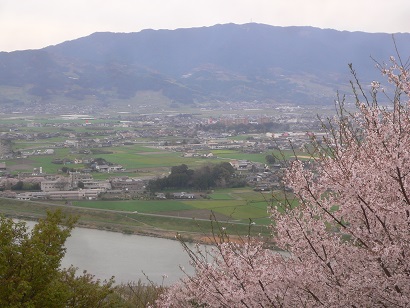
<point>128,222</point>
<point>136,205</point>
<point>235,205</point>
<point>139,160</point>
<point>132,157</point>
<point>221,196</point>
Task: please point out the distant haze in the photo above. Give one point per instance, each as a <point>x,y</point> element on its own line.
<point>34,24</point>
<point>251,62</point>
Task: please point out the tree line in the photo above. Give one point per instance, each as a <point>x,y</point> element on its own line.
<point>31,273</point>
<point>203,178</point>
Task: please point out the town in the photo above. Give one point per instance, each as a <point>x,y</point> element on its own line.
<point>81,173</point>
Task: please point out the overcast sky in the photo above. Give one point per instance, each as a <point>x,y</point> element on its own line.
<point>33,24</point>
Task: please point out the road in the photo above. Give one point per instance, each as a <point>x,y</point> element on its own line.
<point>124,213</point>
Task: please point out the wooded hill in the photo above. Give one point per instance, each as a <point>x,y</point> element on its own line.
<point>250,62</point>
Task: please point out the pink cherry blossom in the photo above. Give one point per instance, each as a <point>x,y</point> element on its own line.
<point>348,240</point>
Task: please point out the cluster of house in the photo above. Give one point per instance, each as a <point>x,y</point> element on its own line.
<point>176,195</point>
<point>25,154</point>
<point>258,143</point>
<point>111,168</point>
<point>80,186</point>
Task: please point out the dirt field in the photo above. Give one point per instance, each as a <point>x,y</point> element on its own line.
<point>21,164</point>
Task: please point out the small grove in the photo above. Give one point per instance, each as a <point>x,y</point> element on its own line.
<point>203,178</point>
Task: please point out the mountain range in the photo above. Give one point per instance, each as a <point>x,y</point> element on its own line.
<point>195,66</point>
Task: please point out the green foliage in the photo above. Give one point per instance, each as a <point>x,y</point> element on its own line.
<point>270,159</point>
<point>20,185</point>
<point>139,295</point>
<point>30,274</point>
<point>85,291</point>
<point>217,175</point>
<point>17,186</point>
<point>29,261</point>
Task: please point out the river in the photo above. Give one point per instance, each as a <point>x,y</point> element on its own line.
<point>127,257</point>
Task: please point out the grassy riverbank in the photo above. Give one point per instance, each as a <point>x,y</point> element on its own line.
<point>131,223</point>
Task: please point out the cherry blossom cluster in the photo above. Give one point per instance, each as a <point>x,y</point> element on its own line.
<point>348,236</point>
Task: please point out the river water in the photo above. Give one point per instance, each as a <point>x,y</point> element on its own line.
<point>127,257</point>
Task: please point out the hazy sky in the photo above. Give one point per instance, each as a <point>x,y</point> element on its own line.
<point>32,24</point>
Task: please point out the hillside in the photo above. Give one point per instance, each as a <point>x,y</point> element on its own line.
<point>192,67</point>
